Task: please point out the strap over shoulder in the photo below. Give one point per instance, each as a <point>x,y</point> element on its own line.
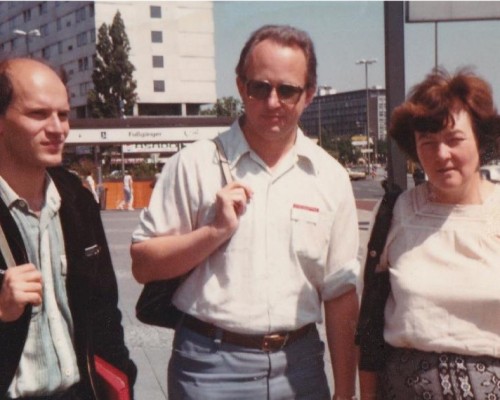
<point>224,164</point>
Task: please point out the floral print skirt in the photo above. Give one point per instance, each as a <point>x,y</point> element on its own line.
<point>412,374</point>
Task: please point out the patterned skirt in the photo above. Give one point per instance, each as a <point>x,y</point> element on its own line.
<point>412,374</point>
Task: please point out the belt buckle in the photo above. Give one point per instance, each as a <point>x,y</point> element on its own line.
<point>274,342</point>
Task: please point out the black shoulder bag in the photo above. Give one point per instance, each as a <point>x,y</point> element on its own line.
<point>154,306</point>
<point>370,329</point>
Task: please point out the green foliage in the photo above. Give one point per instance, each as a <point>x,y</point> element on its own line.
<point>342,149</point>
<point>143,170</point>
<point>114,87</point>
<point>225,106</point>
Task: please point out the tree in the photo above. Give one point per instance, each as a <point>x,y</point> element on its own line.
<point>225,106</point>
<point>114,93</point>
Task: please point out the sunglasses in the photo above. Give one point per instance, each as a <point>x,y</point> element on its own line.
<point>260,90</point>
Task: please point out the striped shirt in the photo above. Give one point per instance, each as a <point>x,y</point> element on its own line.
<point>48,363</point>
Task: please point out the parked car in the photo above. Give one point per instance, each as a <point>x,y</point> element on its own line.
<point>356,173</point>
<point>491,172</point>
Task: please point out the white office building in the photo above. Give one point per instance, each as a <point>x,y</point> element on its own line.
<point>172,47</point>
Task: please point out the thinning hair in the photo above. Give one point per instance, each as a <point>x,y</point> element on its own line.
<point>6,86</point>
<point>284,35</point>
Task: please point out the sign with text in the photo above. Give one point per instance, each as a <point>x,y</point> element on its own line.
<point>151,148</point>
<point>442,11</point>
<point>142,135</point>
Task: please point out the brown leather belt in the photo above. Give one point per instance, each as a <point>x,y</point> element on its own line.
<point>270,342</point>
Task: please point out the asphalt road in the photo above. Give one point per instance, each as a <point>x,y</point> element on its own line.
<point>150,346</point>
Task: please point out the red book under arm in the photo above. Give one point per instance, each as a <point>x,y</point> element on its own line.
<point>114,381</point>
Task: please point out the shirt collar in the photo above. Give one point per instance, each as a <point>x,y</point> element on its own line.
<point>236,146</point>
<point>52,197</point>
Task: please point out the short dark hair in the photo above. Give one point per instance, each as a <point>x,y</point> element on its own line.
<point>6,88</point>
<point>432,102</point>
<point>284,35</point>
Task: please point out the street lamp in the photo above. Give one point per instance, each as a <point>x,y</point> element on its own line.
<point>367,63</point>
<point>33,32</point>
<point>327,89</point>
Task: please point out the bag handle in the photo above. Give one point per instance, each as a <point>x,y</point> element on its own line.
<point>224,164</point>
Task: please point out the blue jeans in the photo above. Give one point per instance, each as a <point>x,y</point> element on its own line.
<point>202,369</point>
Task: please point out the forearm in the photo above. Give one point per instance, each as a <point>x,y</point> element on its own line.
<point>368,385</point>
<point>166,257</point>
<point>340,319</point>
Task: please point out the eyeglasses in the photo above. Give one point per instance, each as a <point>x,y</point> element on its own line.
<point>260,90</point>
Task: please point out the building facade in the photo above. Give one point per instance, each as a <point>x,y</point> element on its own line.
<point>172,47</point>
<point>332,116</point>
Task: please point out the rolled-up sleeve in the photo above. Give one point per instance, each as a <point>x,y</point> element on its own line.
<point>342,269</point>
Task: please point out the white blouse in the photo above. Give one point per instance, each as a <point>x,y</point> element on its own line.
<point>444,263</point>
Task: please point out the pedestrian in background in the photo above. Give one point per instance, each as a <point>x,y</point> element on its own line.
<point>443,250</point>
<point>90,185</point>
<point>128,193</point>
<point>264,252</point>
<point>58,297</point>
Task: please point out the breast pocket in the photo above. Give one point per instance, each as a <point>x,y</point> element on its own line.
<point>311,230</point>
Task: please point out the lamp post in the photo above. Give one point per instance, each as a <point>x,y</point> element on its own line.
<point>367,63</point>
<point>320,88</point>
<point>27,35</point>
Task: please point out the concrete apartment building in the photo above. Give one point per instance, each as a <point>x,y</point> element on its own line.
<point>172,47</point>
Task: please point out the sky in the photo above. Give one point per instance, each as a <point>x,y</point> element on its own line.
<point>346,31</point>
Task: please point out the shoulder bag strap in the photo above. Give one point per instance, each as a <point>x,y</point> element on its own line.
<point>380,230</point>
<point>224,164</point>
<point>5,250</point>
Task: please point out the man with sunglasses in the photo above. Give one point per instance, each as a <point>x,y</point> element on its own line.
<point>263,252</point>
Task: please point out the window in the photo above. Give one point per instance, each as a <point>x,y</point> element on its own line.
<point>80,14</point>
<point>27,15</point>
<point>83,64</point>
<point>81,39</point>
<point>42,8</point>
<point>60,47</point>
<point>159,86</point>
<point>92,36</point>
<point>157,36</point>
<point>155,11</point>
<point>44,29</point>
<point>46,52</point>
<point>91,9</point>
<point>84,88</point>
<point>157,61</point>
<point>59,24</point>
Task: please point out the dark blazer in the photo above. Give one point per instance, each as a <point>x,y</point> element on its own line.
<point>91,287</point>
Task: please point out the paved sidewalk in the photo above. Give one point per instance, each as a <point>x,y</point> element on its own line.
<point>149,346</point>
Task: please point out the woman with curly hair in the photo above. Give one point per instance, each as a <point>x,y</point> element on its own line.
<point>441,324</point>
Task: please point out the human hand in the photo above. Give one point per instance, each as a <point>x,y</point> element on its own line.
<point>21,285</point>
<point>231,203</point>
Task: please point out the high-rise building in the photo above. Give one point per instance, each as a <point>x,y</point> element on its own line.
<point>344,114</point>
<point>172,47</point>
